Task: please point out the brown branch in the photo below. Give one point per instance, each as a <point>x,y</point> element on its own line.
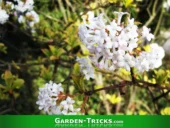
<point>55,69</point>
<point>152,85</point>
<point>120,85</point>
<point>162,95</point>
<point>84,103</point>
<point>132,75</point>
<point>154,103</point>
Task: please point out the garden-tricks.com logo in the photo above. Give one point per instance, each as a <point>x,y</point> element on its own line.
<point>89,122</point>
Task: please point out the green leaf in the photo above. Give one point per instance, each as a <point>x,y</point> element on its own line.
<point>113,98</point>
<point>57,52</point>
<point>53,57</point>
<point>46,52</point>
<point>46,73</point>
<point>3,48</point>
<point>15,65</point>
<point>112,1</point>
<point>165,111</point>
<point>84,50</point>
<point>8,77</point>
<point>60,51</point>
<point>18,83</point>
<point>79,82</point>
<point>1,86</point>
<point>127,3</point>
<point>76,69</point>
<point>53,50</point>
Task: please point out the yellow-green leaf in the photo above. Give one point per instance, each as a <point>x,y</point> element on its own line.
<point>113,98</point>
<point>3,48</point>
<point>53,58</point>
<point>147,48</point>
<point>141,112</point>
<point>128,3</point>
<point>15,65</point>
<point>165,111</point>
<point>84,50</point>
<point>76,69</point>
<point>112,1</point>
<point>18,83</point>
<point>79,82</point>
<point>46,52</point>
<point>1,86</point>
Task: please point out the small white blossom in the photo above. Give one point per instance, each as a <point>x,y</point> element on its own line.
<point>146,34</point>
<point>49,100</point>
<point>67,107</point>
<point>48,95</point>
<point>10,5</point>
<point>21,19</point>
<point>120,14</point>
<point>3,16</point>
<point>33,18</point>
<point>23,6</point>
<point>167,4</point>
<point>150,60</point>
<point>86,67</point>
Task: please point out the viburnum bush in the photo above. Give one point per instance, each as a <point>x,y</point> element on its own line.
<point>84,57</point>
<point>111,46</point>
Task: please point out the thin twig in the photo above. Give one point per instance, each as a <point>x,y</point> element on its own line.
<point>120,85</point>
<point>5,111</point>
<point>162,95</point>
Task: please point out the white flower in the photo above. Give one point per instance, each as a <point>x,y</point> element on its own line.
<point>3,16</point>
<point>166,46</point>
<point>67,105</point>
<point>106,41</point>
<point>112,44</point>
<point>150,60</point>
<point>167,4</point>
<point>48,95</point>
<point>21,19</point>
<point>120,14</point>
<point>33,17</point>
<point>74,112</point>
<point>23,6</point>
<point>49,100</point>
<point>146,34</point>
<point>86,67</point>
<point>10,5</point>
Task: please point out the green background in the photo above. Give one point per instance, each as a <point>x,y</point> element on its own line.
<point>49,122</point>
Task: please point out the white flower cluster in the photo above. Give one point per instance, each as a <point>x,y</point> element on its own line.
<point>112,44</point>
<point>167,4</point>
<point>31,16</point>
<point>50,99</point>
<point>3,16</point>
<point>22,6</point>
<point>85,67</point>
<point>22,9</point>
<point>150,60</point>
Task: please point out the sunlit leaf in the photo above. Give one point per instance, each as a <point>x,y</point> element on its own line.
<point>79,82</point>
<point>165,111</point>
<point>18,83</point>
<point>113,98</point>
